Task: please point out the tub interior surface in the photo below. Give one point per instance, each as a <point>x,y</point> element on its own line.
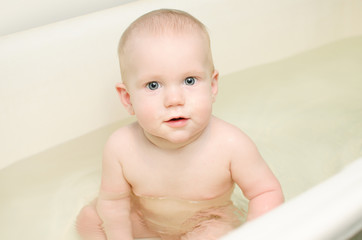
<point>304,113</point>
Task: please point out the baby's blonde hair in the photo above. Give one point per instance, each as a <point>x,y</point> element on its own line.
<point>161,21</point>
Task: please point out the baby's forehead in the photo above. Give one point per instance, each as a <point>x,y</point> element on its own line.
<point>140,38</point>
<point>145,44</point>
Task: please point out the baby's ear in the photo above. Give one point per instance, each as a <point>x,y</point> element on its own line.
<point>125,97</point>
<point>214,84</point>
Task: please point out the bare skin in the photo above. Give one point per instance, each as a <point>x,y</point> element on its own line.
<point>177,148</point>
<point>182,173</point>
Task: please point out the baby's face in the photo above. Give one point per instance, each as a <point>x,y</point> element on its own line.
<point>172,85</point>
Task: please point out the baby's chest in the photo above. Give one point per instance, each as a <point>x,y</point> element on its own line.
<point>204,174</point>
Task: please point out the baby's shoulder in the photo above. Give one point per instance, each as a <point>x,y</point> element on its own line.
<point>234,141</point>
<point>230,133</point>
<point>124,132</point>
<point>122,138</point>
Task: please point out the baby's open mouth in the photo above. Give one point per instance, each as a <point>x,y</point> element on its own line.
<point>176,119</point>
<point>177,122</point>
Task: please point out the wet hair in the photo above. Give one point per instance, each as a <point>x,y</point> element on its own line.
<point>162,21</point>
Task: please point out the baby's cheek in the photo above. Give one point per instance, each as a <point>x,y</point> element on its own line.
<point>148,112</point>
<point>203,108</point>
<point>145,111</point>
<point>143,105</point>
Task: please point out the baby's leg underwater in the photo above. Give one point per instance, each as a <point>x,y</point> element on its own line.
<point>211,230</point>
<point>139,228</point>
<point>218,222</point>
<point>89,224</point>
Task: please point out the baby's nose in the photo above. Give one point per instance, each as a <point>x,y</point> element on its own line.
<point>174,96</point>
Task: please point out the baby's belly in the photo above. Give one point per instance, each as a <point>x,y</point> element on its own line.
<point>169,215</point>
<point>168,211</point>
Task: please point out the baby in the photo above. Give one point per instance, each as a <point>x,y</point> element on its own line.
<point>171,173</point>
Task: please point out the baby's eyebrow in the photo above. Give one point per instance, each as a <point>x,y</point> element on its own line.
<point>194,74</point>
<point>149,78</point>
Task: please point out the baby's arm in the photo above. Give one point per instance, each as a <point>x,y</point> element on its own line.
<point>255,178</point>
<point>113,204</point>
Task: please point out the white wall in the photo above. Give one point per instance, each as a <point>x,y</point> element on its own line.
<point>19,15</point>
<point>57,81</point>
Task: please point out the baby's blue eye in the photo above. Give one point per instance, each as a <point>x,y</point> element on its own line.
<point>190,81</point>
<point>153,85</point>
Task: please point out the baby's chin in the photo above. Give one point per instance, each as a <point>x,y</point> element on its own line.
<point>173,141</point>
<point>183,140</point>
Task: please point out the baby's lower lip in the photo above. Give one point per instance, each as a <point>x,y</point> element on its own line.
<point>177,122</point>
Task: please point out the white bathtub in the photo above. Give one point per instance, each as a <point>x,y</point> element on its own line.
<point>290,78</point>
